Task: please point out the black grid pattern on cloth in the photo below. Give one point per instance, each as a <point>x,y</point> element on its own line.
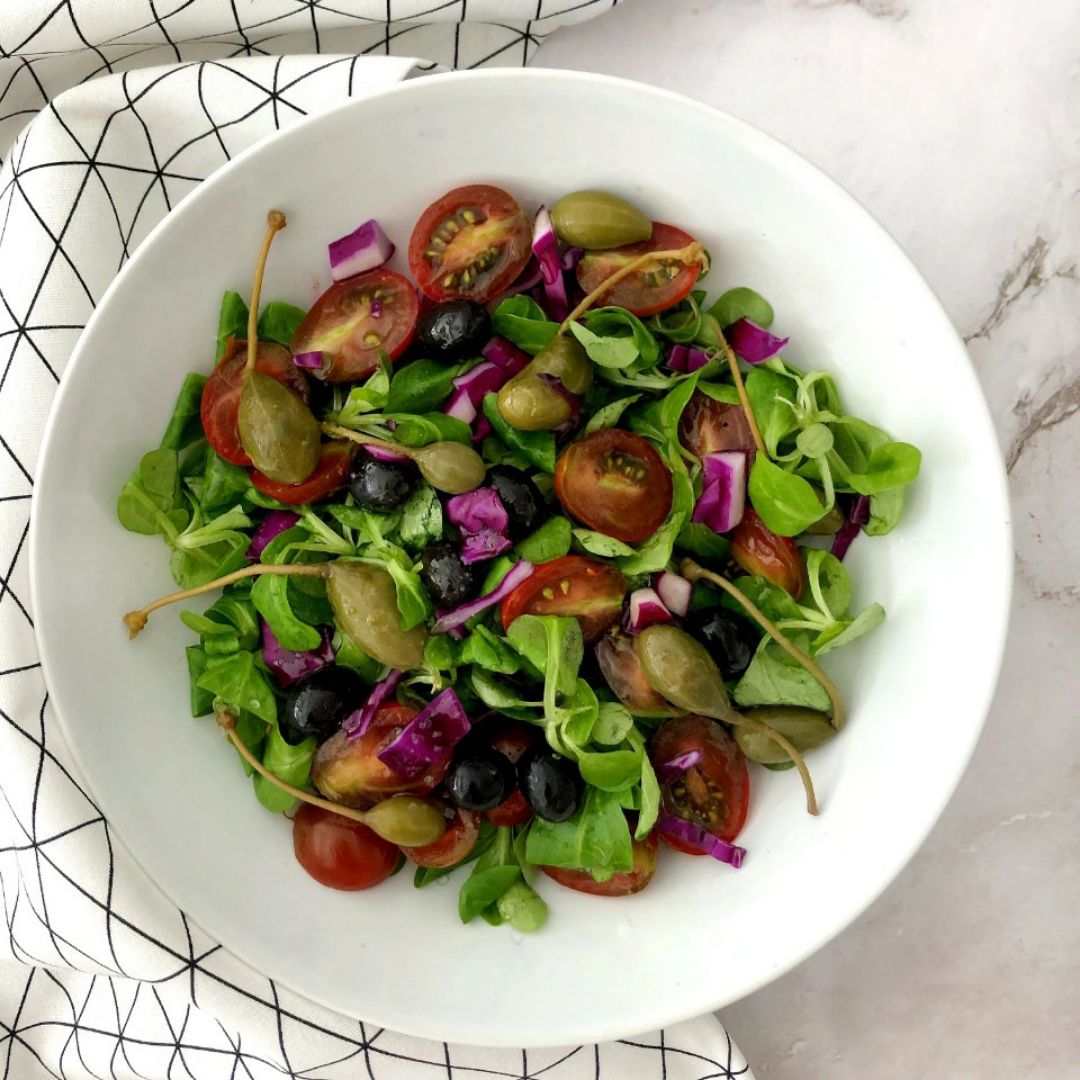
<point>139,100</point>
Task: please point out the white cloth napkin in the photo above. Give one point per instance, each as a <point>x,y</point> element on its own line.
<point>139,100</point>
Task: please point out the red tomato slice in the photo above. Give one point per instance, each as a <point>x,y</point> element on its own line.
<point>219,408</point>
<point>357,319</point>
<point>758,550</point>
<point>616,483</point>
<point>715,793</point>
<point>623,672</point>
<point>619,884</point>
<point>589,590</point>
<point>462,829</point>
<point>340,853</point>
<point>473,242</point>
<point>709,427</point>
<point>653,288</point>
<point>350,772</point>
<point>331,473</point>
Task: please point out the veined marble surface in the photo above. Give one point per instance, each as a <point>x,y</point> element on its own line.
<point>957,123</point>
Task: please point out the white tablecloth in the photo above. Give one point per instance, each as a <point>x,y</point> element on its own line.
<point>130,103</point>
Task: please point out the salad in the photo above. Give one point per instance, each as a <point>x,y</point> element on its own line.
<point>525,564</point>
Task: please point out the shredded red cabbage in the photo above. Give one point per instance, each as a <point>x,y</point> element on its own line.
<point>309,361</point>
<point>643,609</point>
<point>289,666</point>
<point>363,249</point>
<point>275,523</point>
<point>483,544</point>
<point>858,516</point>
<point>356,723</point>
<point>723,500</point>
<point>671,770</point>
<point>674,591</point>
<point>752,342</point>
<point>482,429</point>
<point>383,454</point>
<point>545,246</point>
<point>680,829</point>
<point>506,355</point>
<point>686,360</point>
<point>478,509</point>
<point>450,620</point>
<point>429,738</point>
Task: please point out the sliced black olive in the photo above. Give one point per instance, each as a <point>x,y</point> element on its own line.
<point>551,784</point>
<point>448,580</point>
<point>480,780</point>
<point>731,641</point>
<point>380,485</point>
<point>318,705</point>
<point>454,329</point>
<point>521,497</point>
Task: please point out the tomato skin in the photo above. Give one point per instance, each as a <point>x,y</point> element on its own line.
<point>511,739</point>
<point>340,853</point>
<point>623,672</point>
<point>462,830</point>
<point>623,884</point>
<point>219,408</point>
<point>341,319</point>
<point>758,550</point>
<point>349,771</point>
<point>594,594</point>
<point>633,293</point>
<point>513,810</point>
<point>331,474</point>
<point>502,228</point>
<point>709,427</point>
<point>715,793</point>
<point>616,483</point>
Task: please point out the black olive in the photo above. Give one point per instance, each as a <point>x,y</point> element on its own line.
<point>448,580</point>
<point>480,780</point>
<point>730,640</point>
<point>551,784</point>
<point>379,485</point>
<point>454,329</point>
<point>317,705</point>
<point>521,497</point>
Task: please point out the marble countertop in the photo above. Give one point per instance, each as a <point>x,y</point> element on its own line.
<point>957,123</point>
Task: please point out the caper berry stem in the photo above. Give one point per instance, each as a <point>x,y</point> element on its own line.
<point>740,389</point>
<point>788,747</point>
<point>136,620</point>
<point>693,572</point>
<point>275,220</point>
<point>227,722</point>
<point>691,253</point>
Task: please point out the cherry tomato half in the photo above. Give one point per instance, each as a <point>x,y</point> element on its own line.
<point>715,793</point>
<point>340,853</point>
<point>654,287</point>
<point>614,482</point>
<point>357,319</point>
<point>331,473</point>
<point>472,243</point>
<point>622,670</point>
<point>350,772</point>
<point>708,427</point>
<point>512,739</point>
<point>589,590</point>
<point>618,884</point>
<point>219,408</point>
<point>758,550</point>
<point>462,829</point>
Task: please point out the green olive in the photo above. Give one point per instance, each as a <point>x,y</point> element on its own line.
<point>679,668</point>
<point>595,220</point>
<point>365,605</point>
<point>828,524</point>
<point>528,403</point>
<point>277,430</point>
<point>450,466</point>
<point>564,358</point>
<point>406,820</point>
<point>804,728</point>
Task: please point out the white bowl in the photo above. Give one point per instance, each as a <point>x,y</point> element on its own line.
<point>701,935</point>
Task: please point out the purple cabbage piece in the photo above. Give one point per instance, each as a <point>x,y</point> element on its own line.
<point>486,378</point>
<point>275,523</point>
<point>752,342</point>
<point>383,454</point>
<point>308,361</point>
<point>723,500</point>
<point>506,355</point>
<point>858,516</point>
<point>289,666</point>
<point>680,829</point>
<point>483,544</point>
<point>356,723</point>
<point>429,738</point>
<point>482,429</point>
<point>686,360</point>
<point>478,509</point>
<point>365,248</point>
<point>450,620</point>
